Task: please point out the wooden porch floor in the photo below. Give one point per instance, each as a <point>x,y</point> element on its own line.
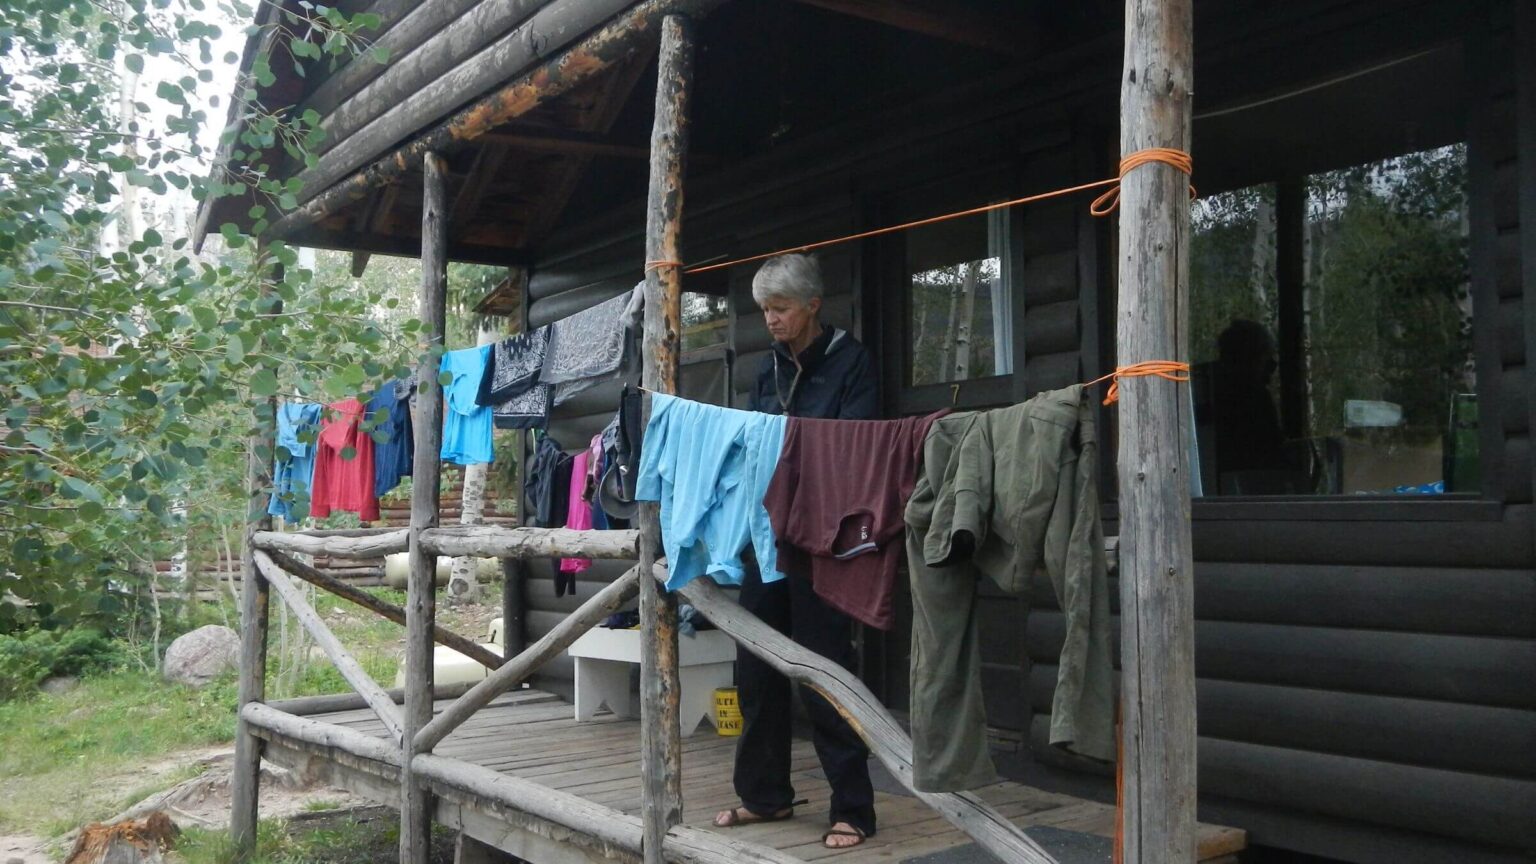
<point>534,735</point>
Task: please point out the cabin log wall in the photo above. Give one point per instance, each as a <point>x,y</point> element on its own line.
<point>1346,639</point>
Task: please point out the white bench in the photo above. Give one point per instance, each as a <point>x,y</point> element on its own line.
<point>604,657</point>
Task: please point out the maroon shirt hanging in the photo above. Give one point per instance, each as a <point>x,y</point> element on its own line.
<point>838,495</point>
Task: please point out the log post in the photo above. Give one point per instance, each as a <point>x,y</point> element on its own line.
<point>245,783</point>
<point>421,598</point>
<point>661,749</point>
<point>1156,562</point>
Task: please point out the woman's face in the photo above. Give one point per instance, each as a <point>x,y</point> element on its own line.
<point>788,320</point>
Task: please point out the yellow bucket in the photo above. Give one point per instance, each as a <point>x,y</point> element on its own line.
<point>727,712</point>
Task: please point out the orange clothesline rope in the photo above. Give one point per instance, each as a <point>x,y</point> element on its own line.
<point>1104,205</point>
<point>1171,370</point>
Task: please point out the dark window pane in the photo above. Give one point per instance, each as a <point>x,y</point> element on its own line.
<point>1389,399</point>
<point>1389,323</point>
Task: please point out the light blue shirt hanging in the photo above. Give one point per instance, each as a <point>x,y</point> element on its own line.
<point>709,468</point>
<point>292,476</point>
<point>467,427</point>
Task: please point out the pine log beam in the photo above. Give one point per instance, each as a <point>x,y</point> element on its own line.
<point>426,502</point>
<point>450,65</point>
<point>495,541</point>
<point>617,41</point>
<point>437,76</point>
<point>1157,621</point>
<point>367,546</point>
<point>398,41</point>
<point>868,717</point>
<point>613,597</point>
<point>343,660</point>
<point>1006,34</point>
<point>661,751</point>
<point>272,721</point>
<point>596,826</point>
<point>447,638</point>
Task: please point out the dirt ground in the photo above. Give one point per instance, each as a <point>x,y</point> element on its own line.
<point>202,801</point>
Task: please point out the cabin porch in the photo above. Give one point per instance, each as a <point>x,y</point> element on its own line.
<point>532,735</point>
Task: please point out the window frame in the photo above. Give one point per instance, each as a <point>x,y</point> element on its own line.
<point>972,393</point>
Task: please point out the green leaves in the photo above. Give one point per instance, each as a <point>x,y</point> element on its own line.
<point>264,383</point>
<point>129,377</point>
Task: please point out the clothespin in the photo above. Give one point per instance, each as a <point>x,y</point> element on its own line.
<point>954,395</point>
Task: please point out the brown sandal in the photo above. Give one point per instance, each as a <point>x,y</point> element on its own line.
<point>838,832</point>
<point>742,816</point>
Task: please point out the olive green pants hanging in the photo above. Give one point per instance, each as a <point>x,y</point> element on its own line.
<point>1002,493</point>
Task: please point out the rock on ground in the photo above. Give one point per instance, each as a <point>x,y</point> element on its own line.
<point>58,685</point>
<point>198,657</point>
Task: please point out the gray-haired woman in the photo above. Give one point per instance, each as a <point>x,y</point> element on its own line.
<point>811,371</point>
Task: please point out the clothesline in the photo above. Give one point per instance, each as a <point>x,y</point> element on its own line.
<point>1103,205</point>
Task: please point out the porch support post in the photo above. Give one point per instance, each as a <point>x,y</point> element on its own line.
<point>1156,561</point>
<point>245,783</point>
<point>661,748</point>
<point>421,598</point>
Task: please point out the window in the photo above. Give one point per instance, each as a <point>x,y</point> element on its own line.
<point>706,320</point>
<point>1331,333</point>
<point>959,306</point>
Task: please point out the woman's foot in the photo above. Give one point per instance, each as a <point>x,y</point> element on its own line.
<point>842,836</point>
<point>742,816</point>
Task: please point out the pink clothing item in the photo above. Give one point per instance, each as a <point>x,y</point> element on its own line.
<point>343,484</point>
<point>578,511</point>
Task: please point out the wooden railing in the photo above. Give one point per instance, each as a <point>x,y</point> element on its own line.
<point>864,712</point>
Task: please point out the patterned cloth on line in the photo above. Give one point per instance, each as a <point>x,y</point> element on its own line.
<point>591,346</point>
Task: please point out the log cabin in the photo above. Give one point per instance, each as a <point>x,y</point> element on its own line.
<point>1358,307</point>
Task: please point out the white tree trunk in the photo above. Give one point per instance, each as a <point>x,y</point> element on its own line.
<point>463,580</point>
<point>1263,267</point>
<point>962,325</point>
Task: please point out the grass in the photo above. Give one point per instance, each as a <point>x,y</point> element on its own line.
<point>358,836</point>
<point>55,751</point>
<point>74,758</point>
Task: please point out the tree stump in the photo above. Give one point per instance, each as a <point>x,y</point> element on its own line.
<point>129,842</point>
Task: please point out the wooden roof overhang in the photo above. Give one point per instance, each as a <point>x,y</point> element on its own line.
<point>533,104</point>
<point>521,97</point>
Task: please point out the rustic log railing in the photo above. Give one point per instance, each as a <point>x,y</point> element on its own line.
<point>344,546</point>
<point>844,691</point>
<point>345,663</point>
<point>389,611</point>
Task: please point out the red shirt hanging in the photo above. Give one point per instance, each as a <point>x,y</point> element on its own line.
<point>343,484</point>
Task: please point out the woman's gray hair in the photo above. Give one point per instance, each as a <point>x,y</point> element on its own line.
<point>793,277</point>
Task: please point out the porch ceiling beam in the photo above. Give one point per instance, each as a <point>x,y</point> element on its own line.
<point>943,19</point>
<point>379,243</point>
<point>544,139</point>
<point>487,164</point>
<point>612,94</point>
<point>620,39</point>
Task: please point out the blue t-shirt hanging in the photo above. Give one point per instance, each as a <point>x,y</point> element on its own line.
<point>292,476</point>
<point>709,467</point>
<point>467,427</point>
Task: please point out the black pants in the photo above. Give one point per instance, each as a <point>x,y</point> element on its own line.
<point>763,754</point>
